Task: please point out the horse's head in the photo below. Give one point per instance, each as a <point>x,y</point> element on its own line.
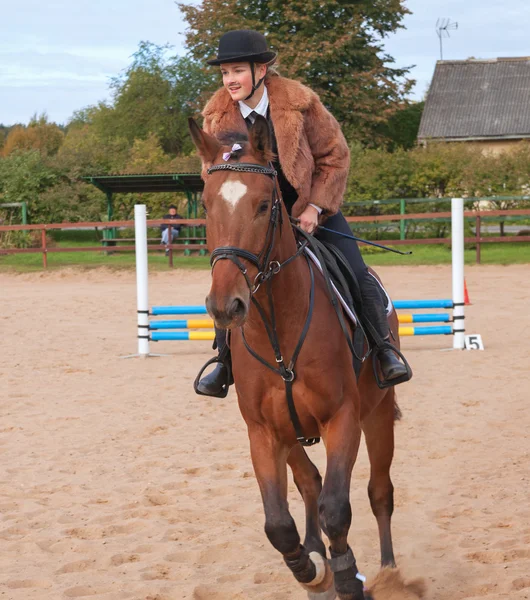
<point>243,212</point>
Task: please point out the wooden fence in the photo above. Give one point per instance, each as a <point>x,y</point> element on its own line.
<point>478,239</point>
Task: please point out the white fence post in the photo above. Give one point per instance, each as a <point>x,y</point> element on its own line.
<point>457,250</point>
<point>142,291</point>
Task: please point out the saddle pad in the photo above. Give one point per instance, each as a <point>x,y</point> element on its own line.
<point>388,301</point>
<point>351,315</point>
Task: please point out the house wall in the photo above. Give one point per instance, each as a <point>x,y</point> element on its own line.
<point>488,146</point>
<point>497,146</point>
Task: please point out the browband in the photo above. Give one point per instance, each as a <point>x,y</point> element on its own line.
<point>243,168</point>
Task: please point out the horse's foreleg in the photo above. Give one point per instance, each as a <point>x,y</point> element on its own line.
<point>309,484</point>
<point>342,435</point>
<point>378,430</point>
<point>269,458</point>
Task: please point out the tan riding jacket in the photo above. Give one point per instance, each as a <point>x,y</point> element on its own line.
<point>312,149</point>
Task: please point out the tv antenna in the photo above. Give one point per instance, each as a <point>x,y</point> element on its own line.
<point>443,26</point>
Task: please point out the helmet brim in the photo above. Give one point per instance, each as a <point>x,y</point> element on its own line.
<point>267,58</point>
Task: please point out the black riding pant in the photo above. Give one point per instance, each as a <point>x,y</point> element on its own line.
<point>347,246</point>
<point>373,308</point>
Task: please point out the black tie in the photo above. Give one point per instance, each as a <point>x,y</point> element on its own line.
<point>251,118</point>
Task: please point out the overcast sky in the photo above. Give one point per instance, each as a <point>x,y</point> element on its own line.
<point>57,56</point>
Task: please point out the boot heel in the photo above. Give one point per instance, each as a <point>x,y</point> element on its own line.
<point>220,381</point>
<point>386,383</point>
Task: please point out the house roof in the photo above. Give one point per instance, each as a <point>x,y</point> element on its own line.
<point>478,99</point>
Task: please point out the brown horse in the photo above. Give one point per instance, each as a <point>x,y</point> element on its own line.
<point>275,305</point>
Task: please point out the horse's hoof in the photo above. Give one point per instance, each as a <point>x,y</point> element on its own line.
<point>349,586</point>
<point>322,585</point>
<point>331,594</point>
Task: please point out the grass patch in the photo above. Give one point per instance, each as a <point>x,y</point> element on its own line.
<point>122,260</point>
<point>494,254</point>
<point>434,254</point>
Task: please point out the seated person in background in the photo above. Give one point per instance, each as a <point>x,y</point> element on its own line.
<point>175,229</point>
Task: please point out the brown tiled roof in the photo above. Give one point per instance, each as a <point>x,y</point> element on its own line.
<point>478,99</point>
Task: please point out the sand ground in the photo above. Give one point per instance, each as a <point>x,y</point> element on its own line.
<point>118,483</point>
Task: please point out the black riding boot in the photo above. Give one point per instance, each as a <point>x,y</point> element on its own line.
<point>392,369</point>
<point>219,380</point>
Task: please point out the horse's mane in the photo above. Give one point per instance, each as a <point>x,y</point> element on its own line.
<point>229,138</point>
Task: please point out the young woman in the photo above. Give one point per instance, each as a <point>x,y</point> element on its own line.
<point>312,164</point>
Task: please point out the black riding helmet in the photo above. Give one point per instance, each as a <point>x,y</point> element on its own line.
<point>244,45</point>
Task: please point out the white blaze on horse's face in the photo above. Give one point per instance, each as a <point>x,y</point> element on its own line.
<point>232,191</point>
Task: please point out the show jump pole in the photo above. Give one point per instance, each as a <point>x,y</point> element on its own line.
<point>142,292</point>
<point>140,227</point>
<point>457,249</point>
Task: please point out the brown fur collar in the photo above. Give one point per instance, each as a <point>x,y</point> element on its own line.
<point>288,100</point>
<point>286,93</point>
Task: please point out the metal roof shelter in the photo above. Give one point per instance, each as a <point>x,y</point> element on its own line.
<point>478,100</point>
<point>189,183</point>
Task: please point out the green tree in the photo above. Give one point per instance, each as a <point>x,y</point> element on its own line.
<point>40,134</point>
<point>335,47</point>
<point>4,130</point>
<point>402,127</point>
<point>155,95</point>
<point>23,177</point>
<point>147,156</point>
<point>84,152</point>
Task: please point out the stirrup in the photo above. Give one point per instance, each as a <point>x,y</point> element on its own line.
<point>221,358</point>
<point>386,383</point>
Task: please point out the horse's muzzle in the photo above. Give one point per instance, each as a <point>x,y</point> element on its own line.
<point>229,313</point>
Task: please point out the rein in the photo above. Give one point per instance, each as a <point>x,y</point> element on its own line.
<point>266,271</point>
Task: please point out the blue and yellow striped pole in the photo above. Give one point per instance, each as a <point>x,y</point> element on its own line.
<point>158,336</point>
<point>182,324</point>
<point>426,318</point>
<point>209,334</point>
<point>434,330</point>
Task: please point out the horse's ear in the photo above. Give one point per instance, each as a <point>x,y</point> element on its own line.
<point>260,139</point>
<point>206,144</point>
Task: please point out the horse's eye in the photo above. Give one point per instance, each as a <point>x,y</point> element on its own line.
<point>263,207</point>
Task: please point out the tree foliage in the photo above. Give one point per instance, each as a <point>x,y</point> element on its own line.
<point>401,129</point>
<point>40,135</point>
<point>24,176</point>
<point>155,95</point>
<point>335,47</point>
<point>84,152</point>
<point>439,170</point>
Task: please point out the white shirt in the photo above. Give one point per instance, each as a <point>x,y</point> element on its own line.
<point>261,109</point>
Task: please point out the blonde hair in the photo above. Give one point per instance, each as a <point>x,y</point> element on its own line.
<point>272,71</point>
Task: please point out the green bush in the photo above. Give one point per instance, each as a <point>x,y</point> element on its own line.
<point>438,170</point>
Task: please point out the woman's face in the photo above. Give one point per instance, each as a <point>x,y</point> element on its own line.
<point>237,78</point>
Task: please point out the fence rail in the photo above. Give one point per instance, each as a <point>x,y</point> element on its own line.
<point>102,224</point>
<point>478,239</point>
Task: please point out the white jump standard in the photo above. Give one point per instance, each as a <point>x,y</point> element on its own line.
<point>150,331</point>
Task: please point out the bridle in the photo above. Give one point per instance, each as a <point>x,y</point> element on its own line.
<point>266,270</point>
